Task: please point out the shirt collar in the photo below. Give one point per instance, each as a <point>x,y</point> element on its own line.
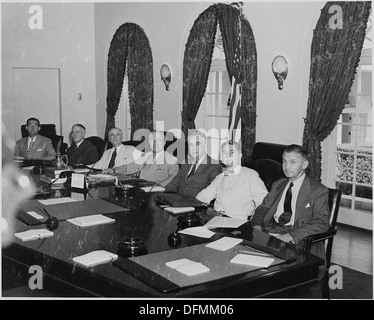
<point>298,182</point>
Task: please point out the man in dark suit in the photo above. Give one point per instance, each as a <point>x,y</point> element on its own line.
<point>81,151</point>
<point>34,146</point>
<point>296,206</point>
<point>200,170</point>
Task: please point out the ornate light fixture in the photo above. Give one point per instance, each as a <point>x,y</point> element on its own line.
<point>165,75</point>
<point>280,70</point>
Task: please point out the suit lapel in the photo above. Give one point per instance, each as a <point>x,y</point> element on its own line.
<point>302,198</point>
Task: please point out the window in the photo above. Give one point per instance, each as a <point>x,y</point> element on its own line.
<point>350,167</point>
<point>123,117</point>
<point>215,107</point>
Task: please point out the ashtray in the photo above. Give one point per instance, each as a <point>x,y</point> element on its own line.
<point>189,220</point>
<point>126,190</point>
<point>131,247</point>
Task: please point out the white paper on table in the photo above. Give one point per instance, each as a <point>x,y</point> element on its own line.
<point>153,189</point>
<point>35,215</point>
<point>81,170</point>
<point>200,231</point>
<point>177,210</point>
<point>187,267</point>
<point>224,222</point>
<point>224,243</point>
<point>252,260</point>
<point>92,220</point>
<point>78,181</point>
<point>33,234</point>
<point>56,200</point>
<point>95,258</point>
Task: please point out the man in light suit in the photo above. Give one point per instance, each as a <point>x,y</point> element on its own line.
<point>81,151</point>
<point>200,170</point>
<point>34,146</point>
<point>119,158</point>
<point>309,211</point>
<point>159,165</point>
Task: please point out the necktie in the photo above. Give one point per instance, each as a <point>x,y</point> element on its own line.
<point>31,145</point>
<point>192,170</point>
<point>229,173</point>
<point>113,159</point>
<point>285,217</point>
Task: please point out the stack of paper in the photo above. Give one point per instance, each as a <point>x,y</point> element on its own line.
<point>224,243</point>
<point>95,258</point>
<point>91,220</point>
<point>33,234</point>
<point>177,210</point>
<point>187,267</point>
<point>201,232</point>
<point>252,260</point>
<point>56,201</point>
<point>153,189</point>
<point>224,222</point>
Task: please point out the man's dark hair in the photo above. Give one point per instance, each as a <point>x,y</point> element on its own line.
<point>297,149</point>
<point>32,119</point>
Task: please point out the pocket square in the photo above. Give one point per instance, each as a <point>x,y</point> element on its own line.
<point>308,205</point>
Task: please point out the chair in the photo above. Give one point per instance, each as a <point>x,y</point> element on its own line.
<point>267,150</point>
<point>57,141</point>
<point>100,144</point>
<point>44,128</point>
<point>334,202</point>
<point>268,170</point>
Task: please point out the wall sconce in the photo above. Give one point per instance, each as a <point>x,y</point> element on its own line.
<point>165,75</point>
<point>280,70</point>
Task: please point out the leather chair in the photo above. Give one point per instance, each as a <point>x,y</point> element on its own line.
<point>267,150</point>
<point>328,237</point>
<point>57,141</point>
<point>44,128</point>
<point>100,144</point>
<point>268,170</point>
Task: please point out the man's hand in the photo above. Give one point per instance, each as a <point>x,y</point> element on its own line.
<point>284,237</point>
<point>257,227</point>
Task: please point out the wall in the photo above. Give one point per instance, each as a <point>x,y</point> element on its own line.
<point>76,38</point>
<point>66,42</point>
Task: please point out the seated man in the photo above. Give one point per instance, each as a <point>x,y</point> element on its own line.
<point>34,146</point>
<point>119,158</point>
<point>81,151</point>
<point>296,206</point>
<point>238,190</point>
<point>199,172</point>
<point>159,166</point>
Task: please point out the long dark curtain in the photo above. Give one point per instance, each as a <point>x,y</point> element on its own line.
<point>335,55</point>
<point>130,45</point>
<point>241,61</point>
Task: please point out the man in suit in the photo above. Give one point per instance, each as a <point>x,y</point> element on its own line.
<point>159,165</point>
<point>119,158</point>
<point>200,170</point>
<point>34,146</point>
<point>296,206</point>
<point>238,190</point>
<point>81,151</point>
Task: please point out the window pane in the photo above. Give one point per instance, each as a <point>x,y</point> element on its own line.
<point>364,170</point>
<point>344,167</point>
<point>346,190</point>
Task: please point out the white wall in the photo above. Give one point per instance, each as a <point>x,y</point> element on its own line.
<point>76,38</point>
<point>66,42</point>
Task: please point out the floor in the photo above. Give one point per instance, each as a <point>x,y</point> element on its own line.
<point>353,248</point>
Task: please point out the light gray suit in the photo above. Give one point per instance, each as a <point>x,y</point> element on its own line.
<point>42,149</point>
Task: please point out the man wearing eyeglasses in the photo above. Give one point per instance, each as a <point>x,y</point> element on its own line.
<point>199,171</point>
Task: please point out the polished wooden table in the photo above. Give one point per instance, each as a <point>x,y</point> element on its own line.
<point>153,225</point>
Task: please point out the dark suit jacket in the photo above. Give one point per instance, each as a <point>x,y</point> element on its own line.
<point>311,216</point>
<point>203,176</point>
<point>42,149</point>
<point>85,154</point>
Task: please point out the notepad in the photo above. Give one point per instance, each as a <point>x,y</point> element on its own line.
<point>224,243</point>
<point>95,258</point>
<point>201,232</point>
<point>153,189</point>
<point>177,210</point>
<point>33,234</point>
<point>252,260</point>
<point>35,215</point>
<point>187,267</point>
<point>56,200</point>
<point>224,222</point>
<point>92,220</point>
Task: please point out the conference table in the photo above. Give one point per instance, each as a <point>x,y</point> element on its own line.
<point>140,217</point>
